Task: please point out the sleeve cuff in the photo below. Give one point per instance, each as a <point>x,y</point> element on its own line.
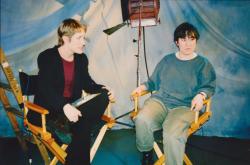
<point>204,95</point>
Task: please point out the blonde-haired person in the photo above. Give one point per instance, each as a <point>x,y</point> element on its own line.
<point>63,74</point>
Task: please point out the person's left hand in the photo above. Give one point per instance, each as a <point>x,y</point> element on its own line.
<point>197,103</point>
<point>110,93</point>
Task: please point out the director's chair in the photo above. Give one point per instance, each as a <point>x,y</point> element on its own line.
<point>44,136</point>
<point>200,119</point>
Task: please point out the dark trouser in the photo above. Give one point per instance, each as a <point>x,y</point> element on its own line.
<point>78,152</point>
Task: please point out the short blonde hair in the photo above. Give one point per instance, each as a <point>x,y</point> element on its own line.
<point>69,27</point>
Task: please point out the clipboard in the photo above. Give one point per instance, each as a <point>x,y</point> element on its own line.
<point>84,99</point>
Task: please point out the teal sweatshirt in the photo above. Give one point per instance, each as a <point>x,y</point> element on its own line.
<point>176,82</point>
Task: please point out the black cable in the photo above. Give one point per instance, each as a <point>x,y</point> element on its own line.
<point>127,113</point>
<point>145,54</point>
<point>128,125</point>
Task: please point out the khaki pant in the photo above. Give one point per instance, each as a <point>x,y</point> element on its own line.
<point>174,122</point>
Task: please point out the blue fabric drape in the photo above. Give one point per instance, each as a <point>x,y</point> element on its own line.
<point>28,27</point>
<point>22,23</point>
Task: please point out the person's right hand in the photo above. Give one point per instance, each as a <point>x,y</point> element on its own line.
<point>139,90</point>
<point>71,113</point>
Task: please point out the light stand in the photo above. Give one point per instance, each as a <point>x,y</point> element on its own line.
<point>147,16</point>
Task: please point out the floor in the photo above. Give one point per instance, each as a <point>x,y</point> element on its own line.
<point>118,148</point>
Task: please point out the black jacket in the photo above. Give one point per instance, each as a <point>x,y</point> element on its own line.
<point>51,82</point>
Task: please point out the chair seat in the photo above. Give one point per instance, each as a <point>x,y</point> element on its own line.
<point>57,130</point>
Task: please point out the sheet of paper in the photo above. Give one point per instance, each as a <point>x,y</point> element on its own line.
<point>85,99</point>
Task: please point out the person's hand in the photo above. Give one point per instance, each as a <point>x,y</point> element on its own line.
<point>71,113</point>
<point>197,102</point>
<point>110,93</point>
<point>139,90</point>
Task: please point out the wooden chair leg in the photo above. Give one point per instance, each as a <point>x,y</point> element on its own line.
<point>13,120</point>
<point>160,155</point>
<point>161,158</point>
<point>98,141</point>
<point>55,160</point>
<point>160,161</point>
<point>43,150</point>
<point>187,160</point>
<point>157,150</point>
<point>110,123</point>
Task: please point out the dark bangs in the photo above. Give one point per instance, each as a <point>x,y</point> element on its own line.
<point>186,29</point>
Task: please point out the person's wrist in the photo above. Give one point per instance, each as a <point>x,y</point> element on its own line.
<point>203,95</point>
<point>66,106</point>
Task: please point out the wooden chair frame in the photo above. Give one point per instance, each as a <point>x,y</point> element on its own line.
<point>200,119</point>
<point>39,135</point>
<point>12,112</point>
<point>44,140</point>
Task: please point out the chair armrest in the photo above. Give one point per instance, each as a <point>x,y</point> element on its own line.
<point>135,98</point>
<point>141,94</point>
<point>206,103</point>
<point>36,108</point>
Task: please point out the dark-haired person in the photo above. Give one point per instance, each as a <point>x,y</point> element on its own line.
<point>63,74</point>
<point>182,81</point>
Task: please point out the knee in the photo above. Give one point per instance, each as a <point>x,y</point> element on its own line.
<point>104,96</point>
<point>143,120</point>
<point>104,93</point>
<point>171,137</point>
<point>168,138</point>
